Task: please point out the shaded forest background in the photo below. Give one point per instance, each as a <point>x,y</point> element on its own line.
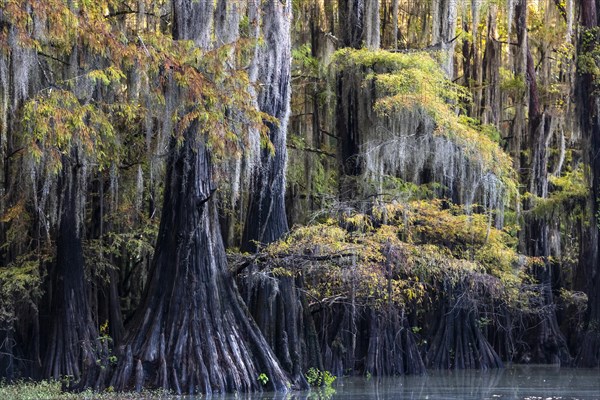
<point>194,194</point>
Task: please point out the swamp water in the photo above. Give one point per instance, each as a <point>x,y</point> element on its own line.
<point>514,382</point>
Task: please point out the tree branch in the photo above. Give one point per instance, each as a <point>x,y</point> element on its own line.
<point>263,258</point>
<point>40,53</point>
<point>311,150</point>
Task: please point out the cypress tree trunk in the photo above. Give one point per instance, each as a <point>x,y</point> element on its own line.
<point>518,128</point>
<point>266,218</point>
<point>108,301</point>
<point>490,102</point>
<point>192,332</point>
<point>392,348</point>
<point>19,78</point>
<point>276,304</point>
<point>360,340</point>
<point>352,101</point>
<point>348,120</point>
<point>359,24</point>
<point>350,14</point>
<point>337,327</point>
<point>72,340</point>
<point>395,24</point>
<point>589,111</point>
<point>458,341</point>
<point>372,35</point>
<point>444,15</point>
<point>549,343</point>
<point>73,346</point>
<point>279,307</point>
<point>7,360</point>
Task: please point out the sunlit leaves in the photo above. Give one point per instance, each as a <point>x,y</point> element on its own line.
<point>217,97</point>
<point>106,76</point>
<point>55,121</point>
<point>401,253</point>
<point>567,198</point>
<point>20,284</point>
<point>416,83</point>
<point>212,91</point>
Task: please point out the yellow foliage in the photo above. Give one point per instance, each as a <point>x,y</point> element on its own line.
<point>13,212</point>
<point>213,88</point>
<point>19,284</point>
<point>54,121</point>
<point>400,254</point>
<point>415,81</point>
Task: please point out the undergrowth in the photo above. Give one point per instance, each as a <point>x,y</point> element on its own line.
<point>51,390</point>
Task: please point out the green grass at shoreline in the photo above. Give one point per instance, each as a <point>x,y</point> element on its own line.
<point>51,390</point>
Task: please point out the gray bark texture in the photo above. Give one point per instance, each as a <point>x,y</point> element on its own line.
<point>266,218</point>
<point>192,332</point>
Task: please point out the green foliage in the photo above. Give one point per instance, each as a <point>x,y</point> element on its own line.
<point>105,348</point>
<point>51,390</point>
<point>567,197</point>
<point>263,379</point>
<point>113,83</point>
<point>317,378</point>
<point>405,79</point>
<point>511,83</point>
<point>137,243</point>
<point>588,57</point>
<point>107,76</point>
<point>33,391</point>
<point>55,121</point>
<point>20,285</point>
<point>214,91</point>
<point>488,130</point>
<point>304,62</point>
<point>466,236</point>
<point>414,81</point>
<point>400,253</point>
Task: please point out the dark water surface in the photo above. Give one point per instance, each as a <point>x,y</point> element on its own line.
<point>515,382</point>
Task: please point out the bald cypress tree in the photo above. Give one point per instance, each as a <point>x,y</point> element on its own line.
<point>192,332</point>
<point>358,27</point>
<point>266,218</point>
<point>589,110</point>
<point>278,305</point>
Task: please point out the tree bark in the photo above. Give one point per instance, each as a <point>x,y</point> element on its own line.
<point>490,103</point>
<point>276,303</point>
<point>444,15</point>
<point>266,218</point>
<point>458,341</point>
<point>279,307</point>
<point>360,340</point>
<point>71,345</point>
<point>347,119</point>
<point>549,344</point>
<point>372,35</point>
<point>588,105</point>
<point>192,332</point>
<point>351,22</point>
<point>392,348</point>
<point>395,24</point>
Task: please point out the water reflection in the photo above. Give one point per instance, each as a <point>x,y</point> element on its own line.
<point>517,382</point>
